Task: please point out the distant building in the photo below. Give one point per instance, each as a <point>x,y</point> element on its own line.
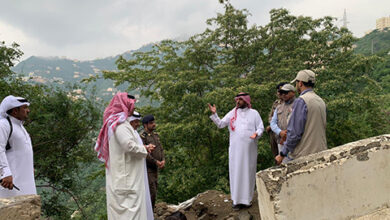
<point>368,32</point>
<point>383,23</point>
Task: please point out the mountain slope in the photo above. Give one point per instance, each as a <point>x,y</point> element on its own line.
<point>376,42</point>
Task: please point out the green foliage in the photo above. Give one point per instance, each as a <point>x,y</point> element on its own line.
<point>376,42</point>
<point>229,57</point>
<point>7,57</point>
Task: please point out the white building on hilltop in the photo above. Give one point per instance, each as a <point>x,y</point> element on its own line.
<point>383,23</point>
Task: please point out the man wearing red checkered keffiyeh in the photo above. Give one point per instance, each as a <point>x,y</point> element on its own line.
<point>120,107</point>
<point>245,128</point>
<point>119,147</point>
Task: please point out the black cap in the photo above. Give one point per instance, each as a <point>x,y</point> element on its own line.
<point>280,85</point>
<point>130,96</point>
<point>147,119</point>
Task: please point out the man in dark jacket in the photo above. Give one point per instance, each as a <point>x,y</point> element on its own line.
<point>156,159</point>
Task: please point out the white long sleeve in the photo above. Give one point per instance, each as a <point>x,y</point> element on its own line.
<point>4,134</point>
<point>129,143</point>
<point>221,123</point>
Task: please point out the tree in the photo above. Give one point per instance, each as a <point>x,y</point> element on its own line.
<point>229,57</point>
<point>7,57</point>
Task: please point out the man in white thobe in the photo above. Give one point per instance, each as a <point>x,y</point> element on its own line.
<point>16,153</point>
<point>135,123</point>
<point>245,128</point>
<point>118,146</point>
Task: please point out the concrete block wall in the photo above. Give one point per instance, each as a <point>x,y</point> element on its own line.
<point>345,182</point>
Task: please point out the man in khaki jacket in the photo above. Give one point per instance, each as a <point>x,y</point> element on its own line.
<point>282,114</point>
<point>306,130</point>
<point>272,136</point>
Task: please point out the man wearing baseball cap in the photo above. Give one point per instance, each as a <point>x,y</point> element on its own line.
<point>16,153</point>
<point>272,136</point>
<point>282,114</point>
<point>306,129</point>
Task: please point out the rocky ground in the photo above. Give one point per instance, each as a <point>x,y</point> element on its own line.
<point>209,205</point>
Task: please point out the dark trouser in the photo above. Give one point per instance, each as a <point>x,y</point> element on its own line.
<point>273,143</point>
<point>152,178</point>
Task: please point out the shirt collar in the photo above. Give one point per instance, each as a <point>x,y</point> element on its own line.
<point>291,100</point>
<point>243,109</point>
<point>307,90</point>
<point>15,120</point>
<point>148,132</point>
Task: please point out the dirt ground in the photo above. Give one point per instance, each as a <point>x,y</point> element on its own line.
<point>211,205</point>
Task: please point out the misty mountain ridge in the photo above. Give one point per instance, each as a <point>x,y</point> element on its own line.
<point>60,71</point>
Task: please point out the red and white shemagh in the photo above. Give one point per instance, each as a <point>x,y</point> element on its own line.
<point>115,113</point>
<point>246,99</point>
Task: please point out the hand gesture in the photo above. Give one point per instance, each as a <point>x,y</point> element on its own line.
<point>212,108</point>
<point>150,148</point>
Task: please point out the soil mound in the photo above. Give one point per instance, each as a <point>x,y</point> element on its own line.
<point>210,205</point>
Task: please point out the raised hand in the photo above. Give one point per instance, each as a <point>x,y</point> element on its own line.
<point>212,108</point>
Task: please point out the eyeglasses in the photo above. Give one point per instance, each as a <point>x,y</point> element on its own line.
<point>282,92</point>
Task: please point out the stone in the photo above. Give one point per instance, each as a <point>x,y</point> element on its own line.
<point>244,215</point>
<point>27,207</point>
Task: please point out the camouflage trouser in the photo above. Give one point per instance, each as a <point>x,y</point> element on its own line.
<point>273,143</point>
<point>152,178</point>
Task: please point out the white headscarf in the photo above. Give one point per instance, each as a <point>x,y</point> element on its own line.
<point>135,116</point>
<point>11,102</point>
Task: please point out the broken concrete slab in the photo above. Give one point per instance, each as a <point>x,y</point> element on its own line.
<point>345,182</point>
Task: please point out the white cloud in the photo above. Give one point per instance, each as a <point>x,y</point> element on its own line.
<point>92,29</point>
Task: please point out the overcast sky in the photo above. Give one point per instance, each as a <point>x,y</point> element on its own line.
<point>90,29</point>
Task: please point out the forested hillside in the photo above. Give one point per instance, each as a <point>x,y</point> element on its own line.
<point>376,42</point>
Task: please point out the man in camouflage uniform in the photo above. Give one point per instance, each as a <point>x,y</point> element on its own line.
<point>154,160</point>
<point>272,136</point>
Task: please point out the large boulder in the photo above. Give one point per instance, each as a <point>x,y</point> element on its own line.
<point>26,207</point>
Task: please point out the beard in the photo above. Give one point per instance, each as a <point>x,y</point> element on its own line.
<point>242,106</point>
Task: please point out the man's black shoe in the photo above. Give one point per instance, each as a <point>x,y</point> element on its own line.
<point>236,207</point>
<point>243,206</point>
